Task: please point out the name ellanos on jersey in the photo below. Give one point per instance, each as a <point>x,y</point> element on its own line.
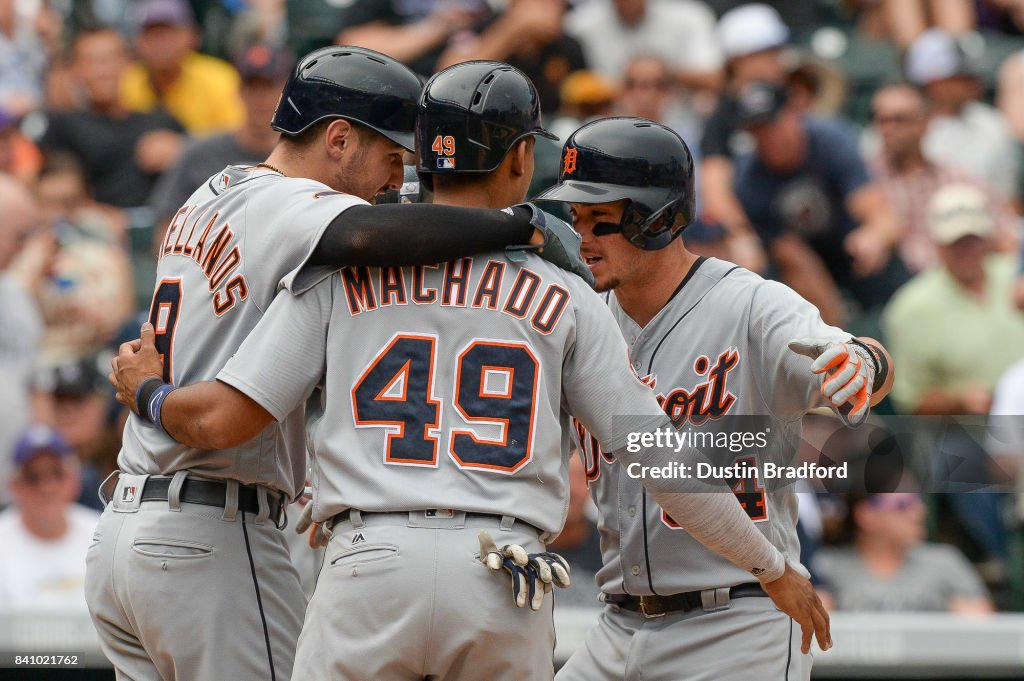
<point>207,246</point>
<point>451,285</point>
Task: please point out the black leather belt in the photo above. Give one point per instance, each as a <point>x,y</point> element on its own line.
<point>211,493</point>
<point>658,606</point>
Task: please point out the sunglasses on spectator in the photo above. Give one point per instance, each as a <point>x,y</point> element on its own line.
<point>637,84</point>
<point>887,502</point>
<point>881,118</point>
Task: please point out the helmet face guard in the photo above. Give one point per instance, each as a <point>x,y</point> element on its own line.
<point>646,163</point>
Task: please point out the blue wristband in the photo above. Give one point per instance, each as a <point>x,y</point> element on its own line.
<point>156,405</point>
<point>149,401</point>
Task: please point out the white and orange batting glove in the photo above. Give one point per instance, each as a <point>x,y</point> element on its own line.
<point>318,535</point>
<point>526,569</point>
<point>849,374</point>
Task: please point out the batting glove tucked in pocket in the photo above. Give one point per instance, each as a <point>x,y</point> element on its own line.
<point>533,574</point>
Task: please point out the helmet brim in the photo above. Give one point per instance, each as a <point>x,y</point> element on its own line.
<point>575,191</point>
<point>407,140</point>
<point>541,132</point>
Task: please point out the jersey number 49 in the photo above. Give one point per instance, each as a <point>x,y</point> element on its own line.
<point>495,383</point>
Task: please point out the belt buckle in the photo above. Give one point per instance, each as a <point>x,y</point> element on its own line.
<point>652,607</point>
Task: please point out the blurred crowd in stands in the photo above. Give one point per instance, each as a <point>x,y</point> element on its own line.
<point>866,152</point>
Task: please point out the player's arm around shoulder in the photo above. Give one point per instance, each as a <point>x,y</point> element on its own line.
<point>208,415</point>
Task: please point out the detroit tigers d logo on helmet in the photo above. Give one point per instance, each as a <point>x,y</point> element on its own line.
<point>353,83</point>
<point>471,114</point>
<point>636,159</point>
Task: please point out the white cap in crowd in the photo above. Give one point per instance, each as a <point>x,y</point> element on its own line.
<point>935,55</point>
<point>751,28</point>
<point>956,211</point>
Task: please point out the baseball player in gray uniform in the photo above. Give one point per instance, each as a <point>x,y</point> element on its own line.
<point>713,340</point>
<point>189,575</point>
<point>438,406</point>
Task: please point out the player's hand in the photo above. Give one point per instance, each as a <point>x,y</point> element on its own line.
<point>555,241</point>
<point>318,536</point>
<point>794,595</point>
<point>135,362</point>
<point>849,374</point>
<point>533,574</point>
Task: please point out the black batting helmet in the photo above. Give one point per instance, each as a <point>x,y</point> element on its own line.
<point>635,159</point>
<point>353,83</point>
<point>471,114</point>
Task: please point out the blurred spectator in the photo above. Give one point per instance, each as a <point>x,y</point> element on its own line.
<point>963,131</point>
<point>83,418</point>
<point>197,89</point>
<point>20,323</point>
<point>910,179</point>
<point>808,195</point>
<point>527,35</point>
<point>263,69</point>
<point>66,205</point>
<point>953,329</point>
<point>1010,92</point>
<point>682,32</point>
<point>579,542</point>
<point>44,534</point>
<point>585,96</point>
<point>120,151</point>
<point>754,40</point>
<point>890,568</point>
<point>905,20</point>
<point>648,91</point>
<point>415,33</point>
<point>18,155</point>
<point>23,55</point>
<point>87,293</point>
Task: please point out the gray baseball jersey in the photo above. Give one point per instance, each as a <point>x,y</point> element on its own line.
<point>446,386</point>
<point>220,264</point>
<point>718,348</point>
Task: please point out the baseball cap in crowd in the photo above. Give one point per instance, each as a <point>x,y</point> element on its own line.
<point>758,103</point>
<point>936,55</point>
<point>752,28</point>
<point>956,211</point>
<point>37,440</point>
<point>162,12</point>
<point>74,378</point>
<point>266,61</point>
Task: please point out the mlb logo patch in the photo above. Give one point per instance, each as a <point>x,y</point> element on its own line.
<point>128,493</point>
<point>439,513</point>
<point>446,163</point>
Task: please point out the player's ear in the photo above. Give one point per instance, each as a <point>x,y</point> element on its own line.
<point>339,138</point>
<point>520,156</point>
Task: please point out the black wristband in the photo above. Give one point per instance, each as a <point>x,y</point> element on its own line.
<point>881,363</point>
<point>143,396</point>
